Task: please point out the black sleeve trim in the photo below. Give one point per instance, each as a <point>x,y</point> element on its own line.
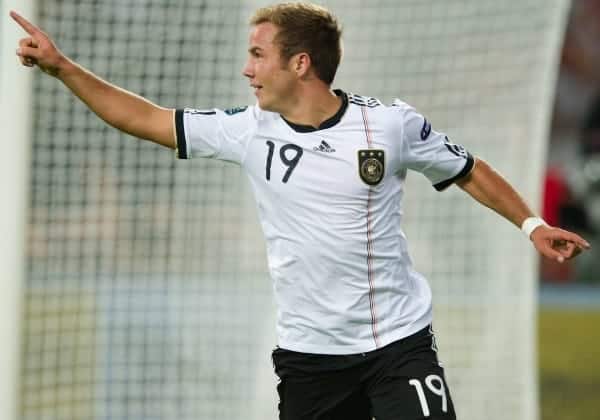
<point>180,132</point>
<point>440,186</point>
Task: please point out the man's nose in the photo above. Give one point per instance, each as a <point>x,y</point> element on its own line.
<point>247,70</point>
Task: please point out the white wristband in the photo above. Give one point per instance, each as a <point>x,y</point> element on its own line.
<point>530,224</point>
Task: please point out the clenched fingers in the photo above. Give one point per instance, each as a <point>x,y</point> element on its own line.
<point>547,251</point>
<point>28,42</point>
<point>28,55</point>
<point>25,53</point>
<point>567,249</point>
<point>560,254</point>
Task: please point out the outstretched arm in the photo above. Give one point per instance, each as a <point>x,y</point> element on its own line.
<point>492,190</point>
<point>121,109</point>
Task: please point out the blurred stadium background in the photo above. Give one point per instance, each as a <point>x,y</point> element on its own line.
<point>145,291</point>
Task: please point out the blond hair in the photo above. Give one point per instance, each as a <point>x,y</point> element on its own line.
<point>309,28</point>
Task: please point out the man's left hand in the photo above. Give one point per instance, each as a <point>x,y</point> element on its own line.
<point>558,244</point>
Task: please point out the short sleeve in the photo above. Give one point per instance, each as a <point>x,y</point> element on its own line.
<point>217,134</point>
<point>430,152</point>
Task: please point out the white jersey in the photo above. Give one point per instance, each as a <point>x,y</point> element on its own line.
<point>329,201</point>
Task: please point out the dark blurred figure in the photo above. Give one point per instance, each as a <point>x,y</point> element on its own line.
<point>573,203</point>
<point>561,208</point>
<point>572,182</point>
<point>589,267</point>
<point>590,131</point>
<point>579,79</point>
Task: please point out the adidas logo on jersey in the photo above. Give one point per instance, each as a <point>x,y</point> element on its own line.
<point>324,147</point>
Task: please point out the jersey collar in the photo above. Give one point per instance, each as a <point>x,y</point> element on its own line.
<point>328,123</point>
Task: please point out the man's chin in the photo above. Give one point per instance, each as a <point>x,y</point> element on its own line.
<point>266,105</point>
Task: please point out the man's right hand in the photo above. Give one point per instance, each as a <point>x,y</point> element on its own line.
<point>123,110</point>
<point>38,49</point>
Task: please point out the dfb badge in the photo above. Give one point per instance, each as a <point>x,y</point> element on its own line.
<point>371,165</point>
<point>236,110</point>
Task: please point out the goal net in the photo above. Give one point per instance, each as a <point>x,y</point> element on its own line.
<point>147,295</point>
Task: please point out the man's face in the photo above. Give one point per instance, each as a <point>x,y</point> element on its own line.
<point>268,74</point>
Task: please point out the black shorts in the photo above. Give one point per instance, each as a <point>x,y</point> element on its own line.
<point>402,380</point>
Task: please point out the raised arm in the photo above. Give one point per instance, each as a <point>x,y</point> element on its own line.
<point>121,109</point>
<point>492,190</point>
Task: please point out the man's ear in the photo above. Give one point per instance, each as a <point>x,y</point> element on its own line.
<point>301,64</point>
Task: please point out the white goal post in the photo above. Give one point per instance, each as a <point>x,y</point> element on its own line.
<point>15,109</point>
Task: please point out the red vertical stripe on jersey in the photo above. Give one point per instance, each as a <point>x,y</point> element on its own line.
<point>370,274</point>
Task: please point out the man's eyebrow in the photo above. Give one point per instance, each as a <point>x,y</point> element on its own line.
<point>254,50</point>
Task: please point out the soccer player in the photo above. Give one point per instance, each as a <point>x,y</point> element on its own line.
<point>327,168</point>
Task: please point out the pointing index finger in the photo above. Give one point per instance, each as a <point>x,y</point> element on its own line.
<point>29,27</point>
<point>571,237</point>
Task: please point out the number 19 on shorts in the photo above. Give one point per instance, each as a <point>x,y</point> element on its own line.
<point>434,384</point>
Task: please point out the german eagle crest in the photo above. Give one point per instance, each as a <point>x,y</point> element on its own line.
<point>371,165</point>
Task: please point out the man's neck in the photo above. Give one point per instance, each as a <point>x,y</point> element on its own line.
<point>313,107</point>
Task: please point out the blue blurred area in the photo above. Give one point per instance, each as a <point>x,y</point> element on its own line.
<point>570,296</point>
